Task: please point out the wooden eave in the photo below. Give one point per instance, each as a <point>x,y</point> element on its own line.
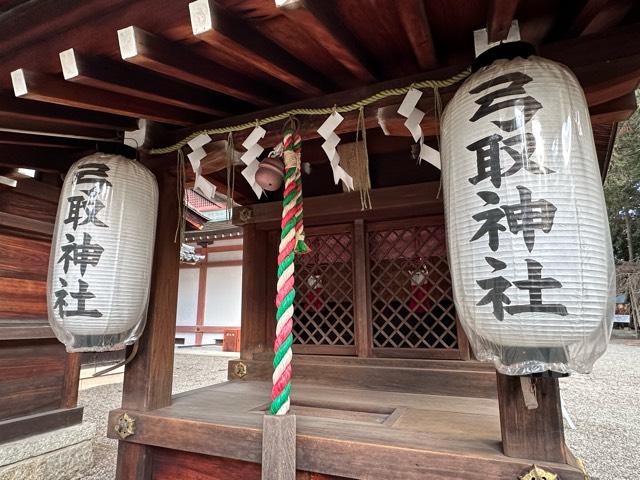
<point>122,61</point>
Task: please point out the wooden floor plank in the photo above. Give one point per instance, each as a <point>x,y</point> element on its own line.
<point>430,436</point>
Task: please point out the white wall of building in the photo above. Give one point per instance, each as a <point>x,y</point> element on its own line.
<point>223,294</point>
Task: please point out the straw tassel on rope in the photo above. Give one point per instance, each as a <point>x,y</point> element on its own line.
<point>291,241</point>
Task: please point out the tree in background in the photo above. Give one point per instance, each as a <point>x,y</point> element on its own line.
<point>622,189</point>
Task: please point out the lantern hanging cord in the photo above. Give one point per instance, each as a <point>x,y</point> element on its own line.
<point>351,107</point>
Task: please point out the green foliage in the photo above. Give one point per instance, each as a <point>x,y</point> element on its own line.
<point>622,187</point>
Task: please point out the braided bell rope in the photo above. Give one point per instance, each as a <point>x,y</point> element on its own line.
<point>291,242</point>
<point>390,92</point>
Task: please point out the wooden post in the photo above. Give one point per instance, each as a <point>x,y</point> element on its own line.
<point>362,295</point>
<point>71,380</point>
<point>279,447</point>
<point>537,434</point>
<point>202,295</point>
<point>148,378</point>
<point>254,260</point>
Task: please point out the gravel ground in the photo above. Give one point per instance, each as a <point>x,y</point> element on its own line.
<point>190,371</point>
<point>605,407</point>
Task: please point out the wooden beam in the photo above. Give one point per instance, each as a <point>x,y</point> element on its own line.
<point>392,123</point>
<point>25,426</point>
<point>613,111</point>
<point>172,59</point>
<point>314,16</point>
<point>501,14</point>
<point>127,79</point>
<point>418,199</point>
<point>17,108</point>
<point>416,25</point>
<point>220,248</point>
<point>38,158</point>
<point>148,378</point>
<point>310,124</point>
<point>202,328</point>
<point>49,141</point>
<point>219,264</point>
<point>29,225</point>
<point>223,31</point>
<point>599,15</point>
<point>52,128</point>
<point>52,89</point>
<point>40,190</point>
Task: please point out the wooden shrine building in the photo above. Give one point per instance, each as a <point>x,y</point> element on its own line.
<point>385,385</point>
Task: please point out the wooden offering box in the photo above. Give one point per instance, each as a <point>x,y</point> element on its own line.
<point>384,383</point>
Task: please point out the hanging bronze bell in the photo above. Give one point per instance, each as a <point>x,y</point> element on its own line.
<point>270,174</point>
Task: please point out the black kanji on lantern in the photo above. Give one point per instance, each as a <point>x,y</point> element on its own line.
<point>535,284</point>
<point>85,209</point>
<point>487,160</point>
<point>520,148</point>
<point>81,296</point>
<point>517,97</point>
<point>491,219</point>
<point>60,295</point>
<point>528,216</point>
<point>82,254</point>
<point>95,173</point>
<point>496,286</point>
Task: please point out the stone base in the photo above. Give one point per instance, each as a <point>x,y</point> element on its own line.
<point>64,454</point>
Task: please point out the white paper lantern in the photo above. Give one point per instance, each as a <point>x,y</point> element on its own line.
<point>528,236</point>
<point>101,254</point>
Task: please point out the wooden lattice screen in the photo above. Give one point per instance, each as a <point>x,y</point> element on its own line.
<point>324,313</point>
<point>410,284</point>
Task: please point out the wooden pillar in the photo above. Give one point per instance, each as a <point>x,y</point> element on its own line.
<point>362,292</point>
<point>71,381</point>
<point>535,434</point>
<point>254,291</point>
<point>202,296</point>
<point>148,378</point>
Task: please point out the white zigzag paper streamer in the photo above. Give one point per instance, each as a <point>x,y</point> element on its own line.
<point>332,140</point>
<point>250,158</point>
<point>413,117</point>
<point>203,186</point>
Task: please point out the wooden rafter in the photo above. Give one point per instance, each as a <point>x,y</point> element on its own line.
<point>416,25</point>
<point>130,80</point>
<point>53,89</point>
<point>599,15</point>
<point>314,16</point>
<point>223,31</point>
<point>601,85</point>
<point>169,58</point>
<point>19,27</point>
<point>501,14</point>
